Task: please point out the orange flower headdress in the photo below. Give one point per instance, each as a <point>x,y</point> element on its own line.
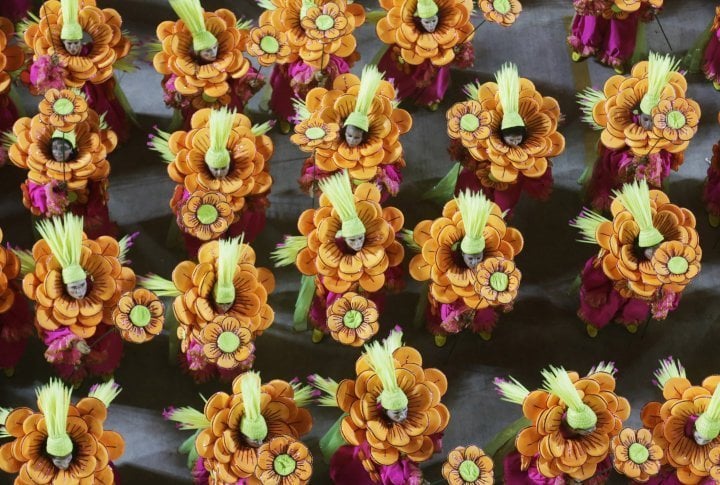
<point>572,420</point>
<point>9,270</point>
<point>395,402</point>
<point>75,282</point>
<point>60,32</point>
<point>61,441</point>
<point>509,125</point>
<point>349,241</point>
<point>314,29</point>
<point>11,56</point>
<point>204,50</point>
<point>646,112</point>
<point>426,30</point>
<point>650,248</point>
<point>687,424</point>
<point>238,433</point>
<point>228,296</point>
<point>468,254</point>
<point>365,109</point>
<point>222,152</point>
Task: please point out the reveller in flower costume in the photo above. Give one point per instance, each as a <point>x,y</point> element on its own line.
<point>393,418</point>
<point>222,169</point>
<point>649,252</point>
<point>61,442</point>
<point>220,304</point>
<point>354,126</point>
<point>308,43</point>
<point>250,436</point>
<point>503,139</point>
<point>76,45</point>
<point>646,123</point>
<point>467,258</point>
<point>12,58</point>
<point>347,246</point>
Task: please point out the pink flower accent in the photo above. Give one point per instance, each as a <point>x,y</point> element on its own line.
<point>56,197</point>
<point>667,302</point>
<point>3,156</point>
<point>64,347</point>
<point>47,72</point>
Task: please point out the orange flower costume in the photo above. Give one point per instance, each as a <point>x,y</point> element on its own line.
<point>12,58</point>
<point>610,30</point>
<point>252,434</point>
<point>15,318</point>
<point>75,44</point>
<point>504,137</point>
<point>646,123</point>
<point>311,42</point>
<point>354,126</point>
<point>62,442</point>
<point>220,306</point>
<point>201,59</point>
<point>569,424</point>
<point>348,244</point>
<point>649,251</point>
<point>686,424</point>
<point>76,284</point>
<point>425,38</point>
<point>64,149</point>
<point>222,168</point>
<point>393,409</point>
<point>467,259</point>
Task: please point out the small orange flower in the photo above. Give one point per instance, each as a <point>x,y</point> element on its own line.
<point>676,121</point>
<point>497,281</point>
<point>325,24</point>
<point>469,122</point>
<point>468,466</point>
<point>63,109</point>
<point>227,342</point>
<point>501,12</point>
<point>9,270</point>
<point>352,319</point>
<point>636,455</point>
<point>714,458</point>
<point>206,215</point>
<point>269,46</point>
<point>315,133</point>
<point>676,263</point>
<point>139,315</point>
<point>11,56</point>
<point>284,461</point>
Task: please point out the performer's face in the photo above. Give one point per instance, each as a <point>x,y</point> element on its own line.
<point>513,140</point>
<point>224,307</point>
<point>253,443</point>
<point>61,150</point>
<point>430,23</point>
<point>209,54</point>
<point>355,243</point>
<point>353,136</point>
<point>219,173</point>
<point>397,416</point>
<point>472,260</point>
<point>73,47</point>
<point>62,462</point>
<point>646,121</point>
<point>77,290</point>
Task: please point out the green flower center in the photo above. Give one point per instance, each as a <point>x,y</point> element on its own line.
<point>676,120</point>
<point>269,44</point>
<point>315,133</point>
<point>469,471</point>
<point>678,265</point>
<point>501,6</point>
<point>140,316</point>
<point>469,122</point>
<point>499,281</point>
<point>207,214</point>
<point>228,342</point>
<point>208,99</point>
<point>284,465</point>
<point>324,22</point>
<point>353,319</point>
<point>638,453</point>
<point>63,106</point>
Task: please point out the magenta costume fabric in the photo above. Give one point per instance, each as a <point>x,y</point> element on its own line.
<point>16,327</point>
<point>102,99</point>
<point>588,34</point>
<point>8,113</point>
<point>711,190</point>
<point>14,10</point>
<point>514,475</point>
<point>423,85</point>
<point>711,59</point>
<point>453,318</point>
<point>346,469</point>
<point>611,40</point>
<point>294,80</point>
